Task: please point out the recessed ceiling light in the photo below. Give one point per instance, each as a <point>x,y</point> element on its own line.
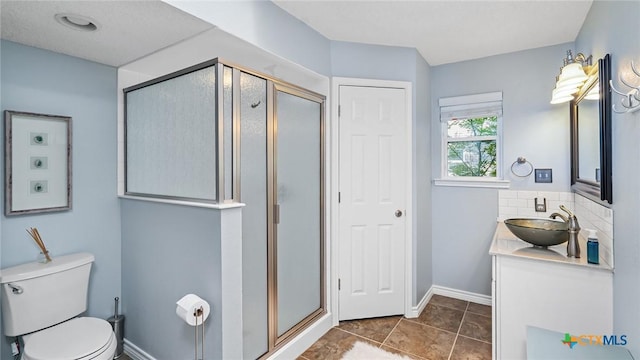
<point>77,22</point>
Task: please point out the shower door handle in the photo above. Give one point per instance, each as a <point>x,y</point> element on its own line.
<point>15,289</point>
<point>276,214</point>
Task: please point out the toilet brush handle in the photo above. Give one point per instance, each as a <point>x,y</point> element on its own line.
<point>116,307</point>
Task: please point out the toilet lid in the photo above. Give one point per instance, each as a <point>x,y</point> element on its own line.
<point>73,339</point>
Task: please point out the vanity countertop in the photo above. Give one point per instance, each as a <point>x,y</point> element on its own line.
<point>505,243</point>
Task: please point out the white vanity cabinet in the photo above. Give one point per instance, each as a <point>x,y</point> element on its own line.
<point>543,288</point>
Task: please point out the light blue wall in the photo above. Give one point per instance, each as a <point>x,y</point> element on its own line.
<point>40,81</point>
<point>401,64</point>
<point>464,218</point>
<point>373,61</point>
<point>169,251</point>
<point>267,26</point>
<point>612,27</point>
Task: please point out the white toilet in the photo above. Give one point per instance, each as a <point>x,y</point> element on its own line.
<point>40,302</point>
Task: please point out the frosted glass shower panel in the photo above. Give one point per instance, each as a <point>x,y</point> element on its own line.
<point>253,186</point>
<point>171,137</point>
<point>299,238</point>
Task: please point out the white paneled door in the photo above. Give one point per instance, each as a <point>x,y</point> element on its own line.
<point>372,186</point>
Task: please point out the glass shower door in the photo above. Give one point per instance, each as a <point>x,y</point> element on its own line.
<point>298,188</point>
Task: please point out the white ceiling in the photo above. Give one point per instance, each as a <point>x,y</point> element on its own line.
<point>128,30</point>
<point>442,31</point>
<point>445,31</point>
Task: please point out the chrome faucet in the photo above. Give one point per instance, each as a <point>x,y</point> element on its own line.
<point>555,215</point>
<point>573,247</point>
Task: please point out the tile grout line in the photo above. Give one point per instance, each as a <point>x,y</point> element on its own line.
<point>458,333</point>
<point>477,312</point>
<point>389,334</point>
<point>431,326</point>
<point>450,306</point>
<point>400,350</point>
<point>472,338</point>
<point>360,336</point>
<point>382,343</point>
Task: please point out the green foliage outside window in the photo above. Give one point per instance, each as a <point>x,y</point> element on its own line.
<point>472,147</point>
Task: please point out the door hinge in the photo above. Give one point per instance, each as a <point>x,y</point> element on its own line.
<point>339,107</point>
<point>276,213</point>
<point>338,284</point>
<point>338,197</point>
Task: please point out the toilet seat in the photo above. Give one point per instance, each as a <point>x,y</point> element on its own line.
<point>77,339</point>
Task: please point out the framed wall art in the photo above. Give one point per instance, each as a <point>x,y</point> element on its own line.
<point>37,163</point>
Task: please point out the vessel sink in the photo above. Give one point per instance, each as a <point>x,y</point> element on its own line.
<point>539,232</point>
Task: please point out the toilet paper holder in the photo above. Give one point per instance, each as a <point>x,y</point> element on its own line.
<point>194,311</point>
<point>198,313</point>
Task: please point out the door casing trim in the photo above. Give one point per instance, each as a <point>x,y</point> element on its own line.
<point>332,290</point>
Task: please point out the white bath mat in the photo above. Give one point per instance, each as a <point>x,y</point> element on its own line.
<point>364,351</point>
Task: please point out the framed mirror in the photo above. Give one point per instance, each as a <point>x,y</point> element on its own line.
<point>590,112</point>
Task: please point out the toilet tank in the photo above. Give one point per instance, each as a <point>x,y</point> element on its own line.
<point>37,295</point>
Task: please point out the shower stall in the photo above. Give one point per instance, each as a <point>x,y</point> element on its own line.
<point>220,134</point>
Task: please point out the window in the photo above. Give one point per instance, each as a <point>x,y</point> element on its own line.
<point>471,128</point>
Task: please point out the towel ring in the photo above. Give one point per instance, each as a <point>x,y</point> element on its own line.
<point>521,161</point>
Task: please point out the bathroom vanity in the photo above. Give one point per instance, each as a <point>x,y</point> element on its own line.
<point>542,287</point>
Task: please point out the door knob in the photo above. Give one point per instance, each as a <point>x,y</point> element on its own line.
<point>398,213</point>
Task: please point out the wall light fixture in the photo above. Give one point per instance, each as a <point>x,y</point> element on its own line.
<point>573,74</point>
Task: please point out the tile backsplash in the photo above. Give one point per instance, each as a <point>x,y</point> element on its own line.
<point>514,203</point>
<point>591,215</point>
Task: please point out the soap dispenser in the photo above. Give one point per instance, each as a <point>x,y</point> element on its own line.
<point>593,256</point>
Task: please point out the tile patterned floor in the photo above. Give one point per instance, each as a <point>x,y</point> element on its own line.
<point>448,329</point>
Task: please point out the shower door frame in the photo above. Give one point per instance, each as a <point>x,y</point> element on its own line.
<point>275,341</point>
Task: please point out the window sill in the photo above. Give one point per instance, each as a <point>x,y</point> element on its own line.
<point>473,183</point>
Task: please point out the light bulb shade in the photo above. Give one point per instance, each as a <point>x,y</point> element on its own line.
<point>559,97</point>
<point>574,82</point>
<point>571,74</point>
<point>566,89</point>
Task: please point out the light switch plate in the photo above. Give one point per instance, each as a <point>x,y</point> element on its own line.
<point>544,176</point>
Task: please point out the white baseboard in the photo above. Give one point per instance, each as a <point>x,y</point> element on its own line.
<point>416,310</point>
<point>135,353</point>
<point>462,295</point>
<point>449,292</point>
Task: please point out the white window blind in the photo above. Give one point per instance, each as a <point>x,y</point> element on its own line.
<point>471,106</point>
